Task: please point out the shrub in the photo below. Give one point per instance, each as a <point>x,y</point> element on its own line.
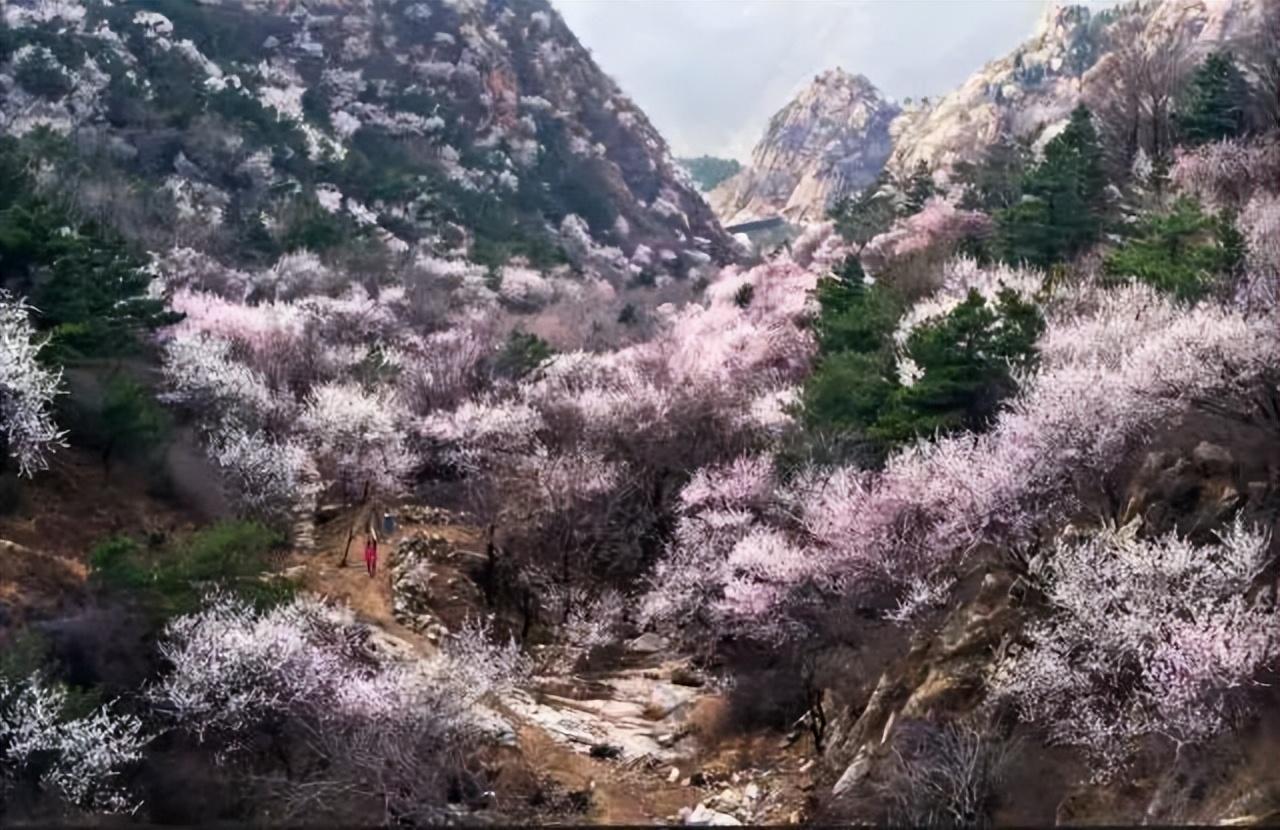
<point>1182,252</point>
<point>943,775</point>
<point>520,355</point>
<point>396,732</point>
<point>27,389</point>
<point>1144,638</point>
<point>40,73</point>
<point>131,421</point>
<point>80,758</point>
<point>170,579</point>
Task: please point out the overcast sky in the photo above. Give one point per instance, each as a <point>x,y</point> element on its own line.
<point>709,73</point>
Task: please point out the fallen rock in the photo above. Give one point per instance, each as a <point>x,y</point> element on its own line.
<point>703,816</point>
<point>665,699</point>
<point>649,643</point>
<point>855,772</point>
<point>728,800</point>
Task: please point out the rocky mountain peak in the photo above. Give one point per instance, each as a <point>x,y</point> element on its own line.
<point>829,139</point>
<point>1070,58</point>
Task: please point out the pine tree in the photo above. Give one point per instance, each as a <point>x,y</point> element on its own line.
<point>919,188</point>
<point>861,218</point>
<point>1064,199</point>
<point>1216,101</point>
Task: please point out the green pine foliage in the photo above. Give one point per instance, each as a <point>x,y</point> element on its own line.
<point>132,423</point>
<point>1063,205</point>
<point>1182,251</point>
<point>1216,102</point>
<point>860,218</point>
<point>86,281</point>
<point>709,171</point>
<point>964,365</point>
<point>994,181</point>
<point>918,189</point>
<point>965,362</point>
<point>521,354</point>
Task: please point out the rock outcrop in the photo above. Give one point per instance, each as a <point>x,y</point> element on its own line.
<point>1073,57</point>
<point>831,139</point>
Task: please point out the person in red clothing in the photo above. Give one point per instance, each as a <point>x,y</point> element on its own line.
<point>371,553</point>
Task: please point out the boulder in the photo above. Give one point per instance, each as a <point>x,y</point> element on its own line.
<point>703,816</point>
<point>665,699</point>
<point>649,643</point>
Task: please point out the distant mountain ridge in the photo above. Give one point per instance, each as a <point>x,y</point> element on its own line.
<point>830,139</point>
<point>839,133</point>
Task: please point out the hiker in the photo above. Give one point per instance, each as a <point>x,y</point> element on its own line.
<point>371,553</point>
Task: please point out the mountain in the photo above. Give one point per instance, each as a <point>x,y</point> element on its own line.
<point>1140,50</point>
<point>830,139</point>
<point>258,126</point>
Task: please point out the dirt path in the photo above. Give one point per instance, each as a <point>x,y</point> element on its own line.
<point>552,776</point>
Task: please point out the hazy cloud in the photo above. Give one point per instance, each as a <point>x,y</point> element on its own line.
<point>710,72</point>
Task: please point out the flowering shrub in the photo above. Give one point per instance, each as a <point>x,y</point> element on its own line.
<point>202,376</point>
<point>27,390</point>
<point>922,239</point>
<point>80,758</point>
<point>357,440</point>
<point>1113,365</point>
<point>267,478</point>
<point>1226,173</point>
<point>1260,223</point>
<point>393,731</point>
<point>1143,638</point>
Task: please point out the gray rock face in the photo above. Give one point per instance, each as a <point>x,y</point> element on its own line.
<point>831,139</point>
<point>1072,57</point>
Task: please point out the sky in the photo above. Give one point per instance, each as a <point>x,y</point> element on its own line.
<point>710,73</point>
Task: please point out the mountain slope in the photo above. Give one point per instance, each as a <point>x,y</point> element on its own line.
<point>830,139</point>
<point>266,122</point>
<point>1075,55</point>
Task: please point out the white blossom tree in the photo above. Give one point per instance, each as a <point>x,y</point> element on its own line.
<point>27,390</point>
<point>393,730</point>
<point>81,759</point>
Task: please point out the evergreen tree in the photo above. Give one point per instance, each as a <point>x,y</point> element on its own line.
<point>964,363</point>
<point>919,189</point>
<point>1182,251</point>
<point>861,218</point>
<point>1216,101</point>
<point>1064,199</point>
<point>91,290</point>
<point>994,182</point>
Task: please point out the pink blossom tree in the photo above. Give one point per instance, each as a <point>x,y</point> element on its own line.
<point>1143,638</point>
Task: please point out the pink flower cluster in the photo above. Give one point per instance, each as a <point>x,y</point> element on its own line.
<point>1144,637</point>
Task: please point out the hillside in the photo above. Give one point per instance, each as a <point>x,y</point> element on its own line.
<point>246,129</point>
<point>1137,52</point>
<point>830,140</point>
